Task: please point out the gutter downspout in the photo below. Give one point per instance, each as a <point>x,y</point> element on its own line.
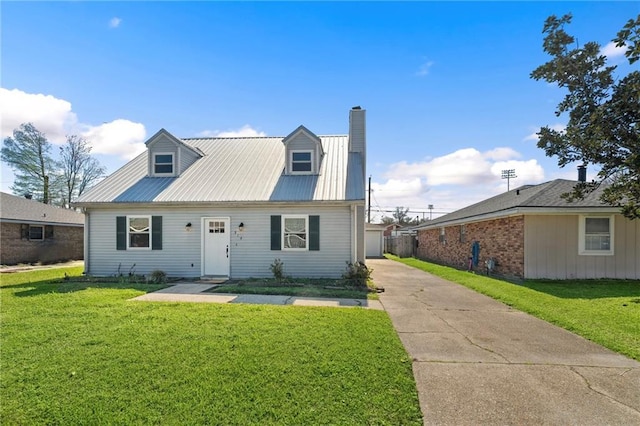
<point>354,248</point>
<point>86,242</point>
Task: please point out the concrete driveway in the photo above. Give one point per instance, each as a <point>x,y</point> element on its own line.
<point>478,361</point>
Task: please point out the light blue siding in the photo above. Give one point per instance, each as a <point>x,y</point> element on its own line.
<point>250,252</point>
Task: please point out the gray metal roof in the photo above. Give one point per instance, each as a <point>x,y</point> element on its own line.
<point>18,209</point>
<point>543,197</point>
<point>242,169</point>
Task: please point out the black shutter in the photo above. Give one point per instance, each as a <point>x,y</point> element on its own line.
<point>121,233</point>
<point>156,232</point>
<point>276,232</point>
<point>314,233</point>
<point>48,231</point>
<point>24,231</point>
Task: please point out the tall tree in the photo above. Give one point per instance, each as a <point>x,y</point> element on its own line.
<point>401,215</point>
<point>28,153</point>
<point>78,170</point>
<point>603,113</point>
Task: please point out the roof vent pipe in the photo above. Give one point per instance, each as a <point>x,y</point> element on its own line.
<point>582,173</point>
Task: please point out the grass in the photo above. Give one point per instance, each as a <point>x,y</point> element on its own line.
<point>604,311</point>
<point>300,288</point>
<point>83,353</point>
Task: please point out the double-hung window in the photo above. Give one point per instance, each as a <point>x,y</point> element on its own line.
<point>596,235</point>
<point>139,231</point>
<point>301,161</point>
<point>294,232</point>
<point>163,164</point>
<point>36,232</point>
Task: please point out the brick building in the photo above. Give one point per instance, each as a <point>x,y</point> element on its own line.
<point>33,232</point>
<point>532,232</point>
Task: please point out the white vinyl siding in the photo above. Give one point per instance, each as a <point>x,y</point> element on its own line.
<point>250,252</point>
<point>186,158</point>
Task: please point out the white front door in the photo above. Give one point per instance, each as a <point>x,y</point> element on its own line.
<point>216,240</point>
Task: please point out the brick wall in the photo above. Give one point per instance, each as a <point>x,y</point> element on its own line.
<point>67,243</point>
<point>501,239</point>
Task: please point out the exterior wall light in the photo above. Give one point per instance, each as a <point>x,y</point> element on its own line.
<point>188,227</point>
<point>241,227</point>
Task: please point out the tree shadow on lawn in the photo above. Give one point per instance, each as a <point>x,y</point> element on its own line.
<point>74,284</point>
<point>587,289</point>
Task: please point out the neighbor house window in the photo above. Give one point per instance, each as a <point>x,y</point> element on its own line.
<point>163,164</point>
<point>596,235</point>
<point>294,232</point>
<point>463,233</point>
<point>36,232</point>
<point>139,231</point>
<point>441,238</point>
<point>301,161</point>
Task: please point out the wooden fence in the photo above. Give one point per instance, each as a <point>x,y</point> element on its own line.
<point>401,246</point>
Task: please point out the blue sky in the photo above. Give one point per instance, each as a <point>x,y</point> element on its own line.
<point>446,85</point>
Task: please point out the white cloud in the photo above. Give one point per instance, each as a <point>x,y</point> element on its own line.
<point>424,69</point>
<point>54,117</point>
<point>453,181</point>
<point>244,131</point>
<point>502,153</point>
<point>50,115</point>
<point>612,51</point>
<point>465,166</point>
<point>119,137</point>
<point>115,22</point>
<point>394,189</point>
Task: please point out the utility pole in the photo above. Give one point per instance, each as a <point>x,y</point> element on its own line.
<point>509,174</point>
<point>369,206</point>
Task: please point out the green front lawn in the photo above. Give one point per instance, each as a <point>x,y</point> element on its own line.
<point>78,353</point>
<point>604,311</point>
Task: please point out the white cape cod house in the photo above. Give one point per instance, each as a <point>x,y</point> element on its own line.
<point>228,207</point>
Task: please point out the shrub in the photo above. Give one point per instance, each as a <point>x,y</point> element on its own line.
<point>277,268</point>
<point>357,274</point>
<point>158,277</point>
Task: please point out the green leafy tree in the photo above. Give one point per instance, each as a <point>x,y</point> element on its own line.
<point>603,125</point>
<point>28,153</point>
<point>48,180</point>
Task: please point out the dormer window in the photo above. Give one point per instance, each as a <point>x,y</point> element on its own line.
<point>303,152</point>
<point>163,164</point>
<point>301,161</point>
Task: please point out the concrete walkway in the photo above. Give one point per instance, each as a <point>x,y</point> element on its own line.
<point>477,361</point>
<point>194,292</point>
